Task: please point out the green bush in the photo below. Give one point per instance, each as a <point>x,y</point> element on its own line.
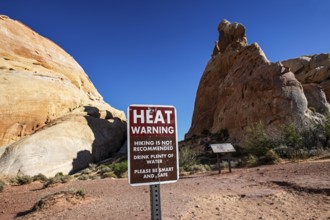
<point>310,139</point>
<point>298,154</point>
<point>79,193</point>
<point>40,177</point>
<point>187,157</point>
<point>290,143</point>
<point>104,169</point>
<point>50,199</point>
<point>191,162</point>
<point>259,141</point>
<point>115,170</point>
<point>323,130</point>
<point>262,146</point>
<point>320,152</point>
<point>2,185</point>
<point>86,171</point>
<point>120,169</point>
<point>298,144</point>
<point>59,174</point>
<point>109,174</point>
<point>292,137</point>
<point>83,177</point>
<point>58,178</point>
<point>206,158</point>
<point>270,157</point>
<point>247,161</point>
<point>21,180</point>
<point>198,168</point>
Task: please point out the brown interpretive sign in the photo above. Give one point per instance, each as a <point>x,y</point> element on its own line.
<point>152,145</point>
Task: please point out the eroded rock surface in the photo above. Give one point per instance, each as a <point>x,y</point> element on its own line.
<point>314,73</point>
<point>50,112</point>
<point>240,87</point>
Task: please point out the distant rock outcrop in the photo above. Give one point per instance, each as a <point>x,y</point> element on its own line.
<point>52,119</point>
<point>240,87</point>
<point>314,74</point>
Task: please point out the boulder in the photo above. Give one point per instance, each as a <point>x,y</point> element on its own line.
<point>313,69</point>
<point>316,98</point>
<point>241,87</point>
<point>50,111</point>
<point>68,145</point>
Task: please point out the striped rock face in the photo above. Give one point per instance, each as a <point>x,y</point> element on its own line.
<point>49,109</point>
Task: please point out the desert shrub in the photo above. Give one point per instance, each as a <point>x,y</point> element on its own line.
<point>115,170</point>
<point>282,151</point>
<point>259,147</point>
<point>2,185</point>
<point>120,169</point>
<point>59,174</point>
<point>323,130</point>
<point>58,178</point>
<point>271,157</point>
<point>65,178</point>
<point>198,168</point>
<point>191,161</point>
<point>297,144</point>
<point>50,182</point>
<point>310,139</point>
<point>83,177</point>
<point>248,160</point>
<point>21,180</point>
<point>86,171</point>
<point>40,177</point>
<point>320,152</point>
<point>206,158</point>
<point>104,168</point>
<point>292,137</point>
<point>109,174</point>
<point>79,193</point>
<point>290,143</point>
<point>259,141</point>
<point>51,199</point>
<point>187,157</point>
<point>298,154</point>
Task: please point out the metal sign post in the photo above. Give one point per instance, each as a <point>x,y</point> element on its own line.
<point>152,149</point>
<point>218,162</point>
<point>229,161</point>
<point>156,209</point>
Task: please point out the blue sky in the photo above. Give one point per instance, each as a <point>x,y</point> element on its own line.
<point>154,52</point>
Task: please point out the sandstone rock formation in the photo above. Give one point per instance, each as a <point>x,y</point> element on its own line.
<point>240,87</point>
<point>314,74</point>
<point>52,119</point>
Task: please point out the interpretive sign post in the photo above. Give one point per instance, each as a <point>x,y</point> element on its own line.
<point>225,148</point>
<point>152,149</point>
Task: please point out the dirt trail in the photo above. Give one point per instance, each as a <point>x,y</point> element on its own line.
<point>285,191</point>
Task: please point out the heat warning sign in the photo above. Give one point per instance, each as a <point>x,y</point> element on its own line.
<point>152,145</point>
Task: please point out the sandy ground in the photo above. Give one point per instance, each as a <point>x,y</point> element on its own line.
<point>285,191</point>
